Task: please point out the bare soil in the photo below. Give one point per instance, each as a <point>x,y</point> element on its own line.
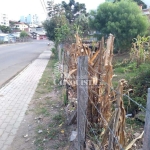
<point>44,126</point>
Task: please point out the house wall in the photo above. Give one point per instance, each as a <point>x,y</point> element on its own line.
<point>22,27</point>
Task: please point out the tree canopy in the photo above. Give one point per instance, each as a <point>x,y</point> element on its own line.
<point>139,2</point>
<point>64,20</point>
<point>23,34</point>
<point>56,20</point>
<point>123,19</point>
<point>54,9</point>
<point>5,29</point>
<point>73,9</point>
<point>50,26</point>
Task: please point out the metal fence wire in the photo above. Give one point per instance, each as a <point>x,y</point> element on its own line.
<point>100,108</point>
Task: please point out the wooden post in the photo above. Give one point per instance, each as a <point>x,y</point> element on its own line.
<point>67,98</point>
<point>146,144</point>
<point>59,53</point>
<point>82,98</point>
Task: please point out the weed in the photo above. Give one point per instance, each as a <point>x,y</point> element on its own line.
<point>40,148</point>
<point>139,50</point>
<point>53,124</point>
<point>134,123</point>
<point>138,80</point>
<point>42,110</point>
<point>59,118</point>
<point>58,145</point>
<point>55,52</point>
<point>65,99</point>
<point>38,142</point>
<point>119,70</point>
<point>53,133</point>
<point>49,102</point>
<point>51,130</point>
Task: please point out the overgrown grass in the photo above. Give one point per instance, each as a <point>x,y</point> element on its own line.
<point>48,107</point>
<point>46,83</point>
<point>128,71</point>
<point>59,118</point>
<point>138,80</point>
<point>42,110</point>
<point>133,123</point>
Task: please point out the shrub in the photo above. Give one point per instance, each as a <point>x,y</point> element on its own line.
<point>23,34</point>
<point>55,52</point>
<point>139,84</point>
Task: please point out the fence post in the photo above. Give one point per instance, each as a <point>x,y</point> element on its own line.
<point>146,141</point>
<point>82,98</point>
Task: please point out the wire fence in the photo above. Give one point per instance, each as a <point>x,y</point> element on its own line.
<point>100,108</point>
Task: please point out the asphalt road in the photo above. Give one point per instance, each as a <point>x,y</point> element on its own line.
<point>15,57</point>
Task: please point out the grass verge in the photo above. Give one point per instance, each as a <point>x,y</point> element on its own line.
<point>51,132</point>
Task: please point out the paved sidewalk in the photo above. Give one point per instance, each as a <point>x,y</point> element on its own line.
<point>15,97</point>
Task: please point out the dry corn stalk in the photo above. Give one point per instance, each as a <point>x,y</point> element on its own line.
<point>100,73</point>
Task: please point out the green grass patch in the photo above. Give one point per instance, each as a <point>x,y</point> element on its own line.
<point>42,111</point>
<point>48,106</point>
<point>46,83</point>
<point>58,145</point>
<point>138,79</point>
<point>59,118</point>
<point>133,123</point>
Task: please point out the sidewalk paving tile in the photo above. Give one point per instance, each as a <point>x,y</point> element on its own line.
<point>16,96</point>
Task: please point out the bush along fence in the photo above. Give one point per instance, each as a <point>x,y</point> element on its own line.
<point>93,103</point>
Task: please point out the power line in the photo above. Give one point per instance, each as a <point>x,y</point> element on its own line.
<point>43,6</point>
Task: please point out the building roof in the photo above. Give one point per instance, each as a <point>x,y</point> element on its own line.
<point>146,11</point>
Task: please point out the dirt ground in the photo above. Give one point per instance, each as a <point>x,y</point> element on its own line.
<point>44,126</point>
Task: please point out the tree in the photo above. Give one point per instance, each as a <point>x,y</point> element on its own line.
<point>54,9</point>
<point>139,2</point>
<point>57,27</point>
<point>63,18</point>
<point>55,21</point>
<point>23,34</point>
<point>123,19</point>
<point>62,33</point>
<point>77,16</point>
<point>50,26</point>
<point>73,10</point>
<point>5,29</point>
<point>82,23</point>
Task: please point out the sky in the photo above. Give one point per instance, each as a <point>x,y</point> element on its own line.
<point>17,8</point>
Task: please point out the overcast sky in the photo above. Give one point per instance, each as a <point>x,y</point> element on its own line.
<point>17,8</point>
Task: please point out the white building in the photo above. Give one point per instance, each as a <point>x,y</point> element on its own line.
<point>4,19</point>
<point>30,19</point>
<point>21,26</point>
